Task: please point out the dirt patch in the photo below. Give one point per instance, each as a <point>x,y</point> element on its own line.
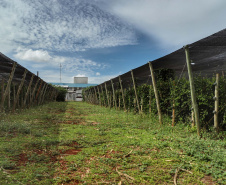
<point>71,122</point>
<point>23,159</point>
<point>71,152</point>
<point>208,180</point>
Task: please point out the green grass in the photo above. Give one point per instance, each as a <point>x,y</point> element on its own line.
<point>109,146</point>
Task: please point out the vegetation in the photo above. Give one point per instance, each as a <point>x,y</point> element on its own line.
<point>174,93</point>
<point>79,143</point>
<point>61,93</point>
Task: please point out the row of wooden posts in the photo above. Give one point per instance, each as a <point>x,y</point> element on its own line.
<point>90,95</point>
<point>33,94</point>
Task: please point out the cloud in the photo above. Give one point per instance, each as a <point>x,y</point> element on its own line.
<point>80,75</point>
<point>58,25</point>
<point>43,61</point>
<point>175,22</point>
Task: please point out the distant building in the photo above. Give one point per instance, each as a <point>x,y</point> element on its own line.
<point>74,90</point>
<point>81,80</point>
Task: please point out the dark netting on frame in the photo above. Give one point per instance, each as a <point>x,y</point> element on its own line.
<point>28,90</point>
<point>208,57</point>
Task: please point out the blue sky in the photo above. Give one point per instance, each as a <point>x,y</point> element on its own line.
<point>101,39</point>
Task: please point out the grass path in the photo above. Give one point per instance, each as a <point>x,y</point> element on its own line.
<point>78,143</point>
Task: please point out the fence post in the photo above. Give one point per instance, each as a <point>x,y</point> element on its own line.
<point>113,90</point>
<point>216,98</point>
<point>150,99</point>
<point>19,90</point>
<point>33,93</point>
<point>192,88</point>
<point>9,92</point>
<point>96,97</point>
<point>135,90</point>
<point>173,108</point>
<point>98,90</point>
<point>42,93</point>
<point>123,97</point>
<point>104,103</point>
<point>107,95</point>
<point>2,88</point>
<point>39,89</point>
<point>8,85</point>
<point>28,90</point>
<point>156,93</point>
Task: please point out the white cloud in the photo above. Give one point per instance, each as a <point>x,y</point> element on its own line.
<point>175,22</point>
<point>97,74</point>
<point>80,75</point>
<point>60,26</point>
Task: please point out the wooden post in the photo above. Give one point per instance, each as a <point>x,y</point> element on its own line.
<point>216,98</point>
<point>96,98</point>
<point>19,90</point>
<point>8,86</point>
<point>113,90</point>
<point>9,92</point>
<point>192,119</point>
<point>42,92</point>
<point>142,103</point>
<point>173,108</point>
<point>192,88</point>
<point>33,93</point>
<point>98,90</point>
<point>28,90</point>
<point>104,103</point>
<point>107,95</point>
<point>39,89</point>
<point>123,97</point>
<point>135,90</point>
<point>2,88</point>
<point>156,93</point>
<point>150,99</point>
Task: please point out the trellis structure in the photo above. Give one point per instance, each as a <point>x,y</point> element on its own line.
<point>205,58</point>
<point>19,88</point>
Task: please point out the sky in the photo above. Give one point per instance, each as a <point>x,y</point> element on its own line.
<point>101,39</point>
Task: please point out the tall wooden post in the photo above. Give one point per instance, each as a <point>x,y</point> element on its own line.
<point>41,94</point>
<point>19,90</point>
<point>113,90</point>
<point>216,98</point>
<point>156,93</point>
<point>104,102</point>
<point>192,88</point>
<point>173,108</point>
<point>123,97</point>
<point>2,88</point>
<point>28,90</point>
<point>107,94</point>
<point>33,93</point>
<point>96,97</point>
<point>98,90</point>
<point>8,86</point>
<point>9,92</point>
<point>135,90</point>
<point>150,99</point>
<point>39,89</point>
<point>44,94</point>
